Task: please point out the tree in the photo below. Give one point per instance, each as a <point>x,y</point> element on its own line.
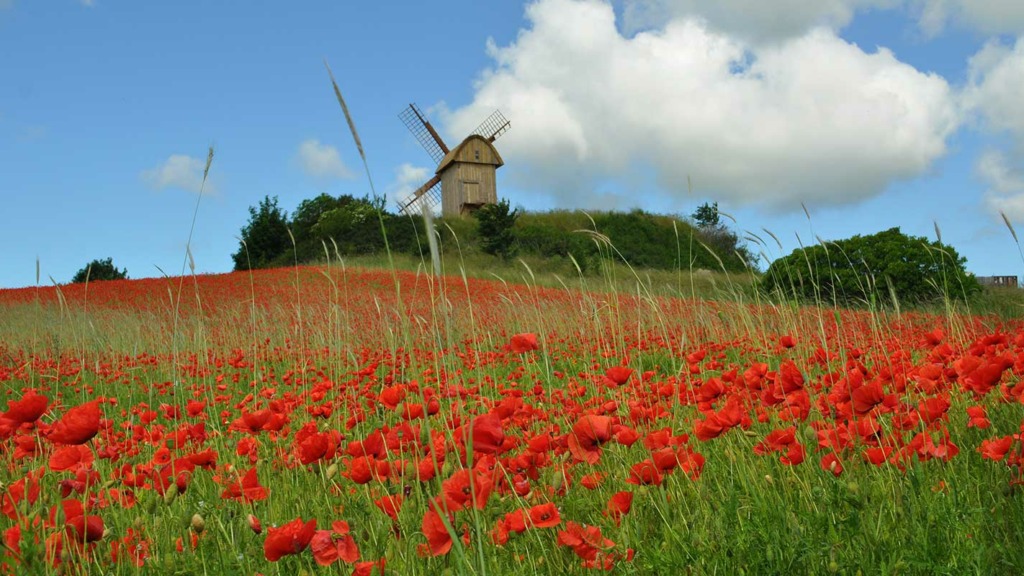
<point>100,270</point>
<point>264,239</point>
<point>720,239</point>
<point>872,269</point>
<point>494,225</point>
<point>706,216</point>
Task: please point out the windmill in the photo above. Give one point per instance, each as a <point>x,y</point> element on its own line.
<point>465,176</point>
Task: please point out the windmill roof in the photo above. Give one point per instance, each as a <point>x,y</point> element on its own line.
<point>461,154</point>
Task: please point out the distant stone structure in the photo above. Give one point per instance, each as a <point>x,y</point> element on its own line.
<point>1004,281</point>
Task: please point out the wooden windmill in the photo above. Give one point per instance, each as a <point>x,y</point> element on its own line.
<point>465,175</point>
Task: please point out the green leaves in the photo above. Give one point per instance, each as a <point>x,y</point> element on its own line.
<point>100,270</point>
<point>870,269</point>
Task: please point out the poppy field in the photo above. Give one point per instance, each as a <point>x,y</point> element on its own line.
<point>344,421</point>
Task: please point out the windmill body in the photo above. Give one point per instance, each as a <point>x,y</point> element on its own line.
<point>465,178</point>
<point>468,179</point>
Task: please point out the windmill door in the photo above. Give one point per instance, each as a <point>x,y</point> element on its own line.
<point>471,193</point>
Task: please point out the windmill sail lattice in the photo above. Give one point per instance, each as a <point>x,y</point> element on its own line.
<point>424,133</point>
<point>493,127</point>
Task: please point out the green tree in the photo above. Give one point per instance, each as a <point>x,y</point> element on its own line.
<point>494,225</point>
<point>871,269</point>
<point>721,240</point>
<point>706,216</point>
<point>100,270</point>
<point>309,212</point>
<point>353,225</point>
<point>264,240</point>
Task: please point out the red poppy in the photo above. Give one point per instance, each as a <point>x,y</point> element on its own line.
<point>643,473</point>
<point>586,542</point>
<point>439,539</point>
<point>867,397</point>
<point>390,505</point>
<point>593,480</point>
<point>522,343</point>
<point>83,528</point>
<point>487,434</point>
<point>619,505</point>
<point>366,568</point>
<point>467,487</point>
<point>28,409</point>
<point>77,426</point>
<point>618,375</point>
<point>878,456</point>
<point>544,516</point>
<point>316,446</point>
<point>329,546</point>
<point>587,435</point>
<point>247,489</point>
<point>830,463</point>
<point>977,417</point>
<point>68,457</point>
<point>292,538</point>
<point>934,408</point>
<point>995,448</point>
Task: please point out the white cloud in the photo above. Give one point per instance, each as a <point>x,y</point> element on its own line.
<point>750,19</point>
<point>778,19</point>
<point>1006,184</point>
<point>407,179</point>
<point>996,86</point>
<point>87,3</point>
<point>322,161</point>
<point>812,118</point>
<point>178,171</point>
<point>987,16</point>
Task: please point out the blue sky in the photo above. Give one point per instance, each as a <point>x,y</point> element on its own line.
<point>869,113</point>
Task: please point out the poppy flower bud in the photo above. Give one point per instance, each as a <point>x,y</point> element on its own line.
<point>332,470</point>
<point>171,494</point>
<point>769,480</point>
<point>254,523</point>
<point>198,523</point>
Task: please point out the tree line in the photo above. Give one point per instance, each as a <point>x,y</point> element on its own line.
<point>329,226</point>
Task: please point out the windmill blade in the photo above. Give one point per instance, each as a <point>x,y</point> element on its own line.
<point>429,194</point>
<point>494,126</point>
<point>417,123</point>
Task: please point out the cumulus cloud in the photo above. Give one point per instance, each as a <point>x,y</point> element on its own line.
<point>758,20</point>
<point>750,19</point>
<point>1006,184</point>
<point>178,171</point>
<point>407,179</point>
<point>322,161</point>
<point>811,118</point>
<point>996,83</point>
<point>993,94</point>
<point>987,16</point>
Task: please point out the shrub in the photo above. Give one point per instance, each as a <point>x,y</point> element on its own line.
<point>872,269</point>
<point>495,223</point>
<point>100,270</point>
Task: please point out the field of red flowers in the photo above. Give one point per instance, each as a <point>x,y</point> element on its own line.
<point>357,422</point>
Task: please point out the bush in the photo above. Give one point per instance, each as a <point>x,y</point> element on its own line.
<point>100,270</point>
<point>495,223</point>
<point>871,269</point>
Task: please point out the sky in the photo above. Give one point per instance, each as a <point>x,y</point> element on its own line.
<point>813,120</point>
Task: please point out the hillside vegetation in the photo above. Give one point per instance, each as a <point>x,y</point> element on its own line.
<point>325,227</point>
